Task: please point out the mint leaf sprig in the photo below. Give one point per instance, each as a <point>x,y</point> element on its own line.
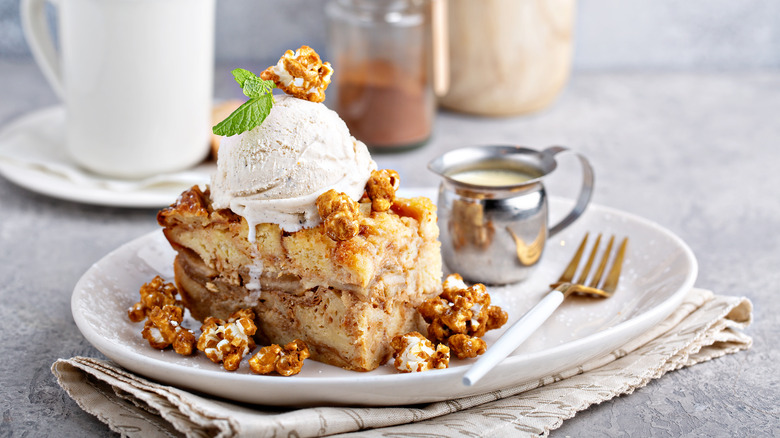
<point>252,112</point>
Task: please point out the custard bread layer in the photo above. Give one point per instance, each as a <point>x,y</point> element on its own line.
<point>339,328</point>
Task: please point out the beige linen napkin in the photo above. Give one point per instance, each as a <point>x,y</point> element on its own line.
<point>704,327</point>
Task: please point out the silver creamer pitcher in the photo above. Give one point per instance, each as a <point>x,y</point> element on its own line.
<point>493,209</point>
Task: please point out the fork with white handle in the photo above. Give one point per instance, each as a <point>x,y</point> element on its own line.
<point>515,335</point>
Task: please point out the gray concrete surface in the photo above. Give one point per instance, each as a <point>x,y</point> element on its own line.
<point>697,153</point>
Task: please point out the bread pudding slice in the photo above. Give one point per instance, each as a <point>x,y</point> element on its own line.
<point>345,299</point>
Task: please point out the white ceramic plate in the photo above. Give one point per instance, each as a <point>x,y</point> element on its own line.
<point>658,272</point>
<point>32,155</point>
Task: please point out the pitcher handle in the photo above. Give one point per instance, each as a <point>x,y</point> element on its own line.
<point>38,35</point>
<point>586,191</point>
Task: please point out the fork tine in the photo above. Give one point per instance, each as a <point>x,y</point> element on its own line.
<point>589,263</point>
<point>614,274</point>
<point>603,264</point>
<point>568,273</point>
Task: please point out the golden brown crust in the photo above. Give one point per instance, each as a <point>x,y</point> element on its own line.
<point>219,237</point>
<point>419,209</point>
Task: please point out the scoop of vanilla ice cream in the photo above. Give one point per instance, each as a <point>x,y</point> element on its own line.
<point>275,172</point>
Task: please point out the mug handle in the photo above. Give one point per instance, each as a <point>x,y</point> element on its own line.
<point>38,35</point>
<point>586,191</point>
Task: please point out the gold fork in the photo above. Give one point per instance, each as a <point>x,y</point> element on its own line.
<point>564,287</point>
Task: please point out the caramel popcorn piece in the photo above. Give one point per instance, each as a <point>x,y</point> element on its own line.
<point>340,215</point>
<point>228,341</point>
<point>496,318</point>
<point>461,310</point>
<point>430,311</point>
<point>414,353</point>
<point>285,361</point>
<point>264,361</point>
<point>332,201</point>
<point>301,74</point>
<point>163,329</point>
<point>465,346</point>
<point>156,293</point>
<point>381,188</point>
<point>340,225</point>
<point>453,284</point>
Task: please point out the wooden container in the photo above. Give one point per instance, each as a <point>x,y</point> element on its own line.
<point>507,57</point>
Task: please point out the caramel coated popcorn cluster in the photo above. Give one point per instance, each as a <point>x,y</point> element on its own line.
<point>285,361</point>
<point>163,329</point>
<point>414,353</point>
<point>228,341</point>
<point>465,346</point>
<point>163,314</point>
<point>156,293</point>
<point>460,316</point>
<point>301,74</point>
<point>381,188</point>
<point>341,214</point>
<point>457,319</point>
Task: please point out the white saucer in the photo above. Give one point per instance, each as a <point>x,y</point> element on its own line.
<point>33,156</point>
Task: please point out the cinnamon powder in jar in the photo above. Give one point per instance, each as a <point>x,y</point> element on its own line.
<point>384,106</point>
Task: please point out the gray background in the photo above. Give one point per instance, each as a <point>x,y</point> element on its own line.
<point>676,103</point>
<point>610,34</point>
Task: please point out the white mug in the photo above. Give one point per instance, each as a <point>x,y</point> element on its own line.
<point>136,77</point>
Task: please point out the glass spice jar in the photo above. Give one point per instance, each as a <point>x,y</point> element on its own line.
<point>381,51</point>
